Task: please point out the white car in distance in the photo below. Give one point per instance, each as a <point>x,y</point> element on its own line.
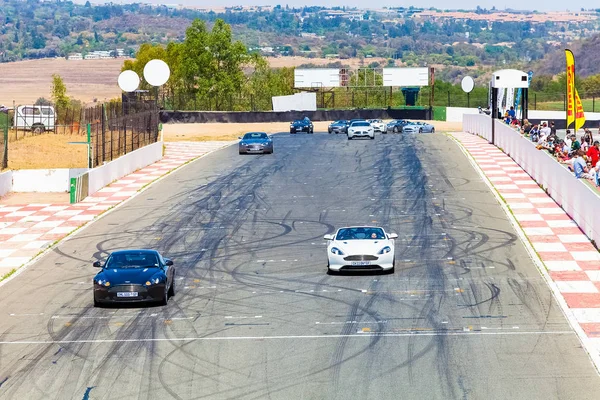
<point>360,129</point>
<point>360,248</point>
<point>378,125</point>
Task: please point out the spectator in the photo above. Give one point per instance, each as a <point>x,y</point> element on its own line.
<point>594,153</point>
<point>511,113</point>
<point>587,137</point>
<point>545,130</point>
<point>575,145</point>
<point>3,108</point>
<point>580,167</point>
<point>534,133</point>
<point>526,127</point>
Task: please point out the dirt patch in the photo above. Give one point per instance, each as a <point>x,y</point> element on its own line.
<point>219,131</point>
<point>47,151</point>
<point>295,61</point>
<point>14,198</point>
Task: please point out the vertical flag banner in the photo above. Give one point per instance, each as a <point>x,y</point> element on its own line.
<point>510,98</point>
<point>574,106</point>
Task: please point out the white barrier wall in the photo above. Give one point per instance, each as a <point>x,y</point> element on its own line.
<point>577,199</point>
<point>6,181</point>
<point>101,176</point>
<point>455,114</point>
<point>44,180</point>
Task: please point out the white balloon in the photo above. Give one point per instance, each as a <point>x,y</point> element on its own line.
<point>156,72</point>
<point>128,81</point>
<point>467,84</point>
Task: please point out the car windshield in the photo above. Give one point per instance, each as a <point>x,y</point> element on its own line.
<point>361,124</point>
<point>255,135</point>
<point>132,260</point>
<point>360,234</point>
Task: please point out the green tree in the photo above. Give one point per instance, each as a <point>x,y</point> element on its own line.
<point>59,92</point>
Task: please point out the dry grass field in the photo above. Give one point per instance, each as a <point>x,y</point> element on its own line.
<point>25,81</point>
<point>47,151</point>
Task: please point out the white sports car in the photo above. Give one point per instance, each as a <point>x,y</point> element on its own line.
<point>361,248</point>
<point>360,129</point>
<point>378,125</point>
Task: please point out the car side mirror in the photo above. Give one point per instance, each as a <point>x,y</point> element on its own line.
<point>97,264</point>
<point>393,236</point>
<point>328,237</point>
<point>168,262</point>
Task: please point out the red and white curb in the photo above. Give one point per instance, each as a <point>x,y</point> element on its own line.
<point>572,263</point>
<point>28,229</point>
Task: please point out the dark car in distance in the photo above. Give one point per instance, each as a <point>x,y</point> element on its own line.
<point>256,142</point>
<point>396,125</point>
<point>132,276</point>
<point>301,125</point>
<point>340,126</point>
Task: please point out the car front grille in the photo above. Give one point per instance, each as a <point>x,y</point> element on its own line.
<point>363,257</point>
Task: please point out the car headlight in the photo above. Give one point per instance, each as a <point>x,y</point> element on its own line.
<point>337,251</point>
<point>385,250</point>
<point>103,282</point>
<point>153,281</point>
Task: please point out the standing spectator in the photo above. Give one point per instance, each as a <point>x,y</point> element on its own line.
<point>552,128</point>
<point>594,153</point>
<point>511,113</point>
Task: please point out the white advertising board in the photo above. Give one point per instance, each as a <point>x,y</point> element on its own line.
<point>316,77</point>
<point>296,102</point>
<point>402,77</point>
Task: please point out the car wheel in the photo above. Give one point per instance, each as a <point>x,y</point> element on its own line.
<point>241,152</point>
<point>96,303</point>
<point>37,129</point>
<point>171,292</point>
<point>329,130</point>
<point>349,137</point>
<point>165,299</point>
<point>432,130</point>
<point>420,130</point>
<point>395,129</point>
<point>372,137</point>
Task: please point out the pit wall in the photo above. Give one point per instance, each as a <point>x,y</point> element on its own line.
<point>418,113</point>
<point>102,176</point>
<point>578,199</point>
<point>43,180</point>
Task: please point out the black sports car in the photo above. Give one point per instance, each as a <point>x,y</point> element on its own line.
<point>301,125</point>
<point>256,142</point>
<point>340,126</point>
<point>134,276</point>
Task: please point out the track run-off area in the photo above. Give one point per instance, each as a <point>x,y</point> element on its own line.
<point>466,315</point>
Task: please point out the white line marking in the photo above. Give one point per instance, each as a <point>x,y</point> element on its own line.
<point>283,337</point>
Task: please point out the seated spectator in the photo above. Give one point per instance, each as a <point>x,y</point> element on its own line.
<point>594,153</point>
<point>575,145</point>
<point>580,167</point>
<point>534,133</point>
<point>526,127</point>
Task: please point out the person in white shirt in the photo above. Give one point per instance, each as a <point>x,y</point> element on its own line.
<point>545,131</point>
<point>568,141</point>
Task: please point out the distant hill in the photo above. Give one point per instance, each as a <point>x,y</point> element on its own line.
<point>587,59</point>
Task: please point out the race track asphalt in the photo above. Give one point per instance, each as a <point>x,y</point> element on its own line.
<point>465,316</point>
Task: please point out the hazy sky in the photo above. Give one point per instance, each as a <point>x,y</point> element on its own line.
<point>540,5</point>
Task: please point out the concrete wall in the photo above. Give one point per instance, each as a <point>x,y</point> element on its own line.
<point>6,181</point>
<point>44,180</point>
<point>274,116</point>
<point>574,196</point>
<point>101,176</point>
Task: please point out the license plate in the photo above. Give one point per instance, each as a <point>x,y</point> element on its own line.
<point>127,294</point>
<point>361,262</point>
